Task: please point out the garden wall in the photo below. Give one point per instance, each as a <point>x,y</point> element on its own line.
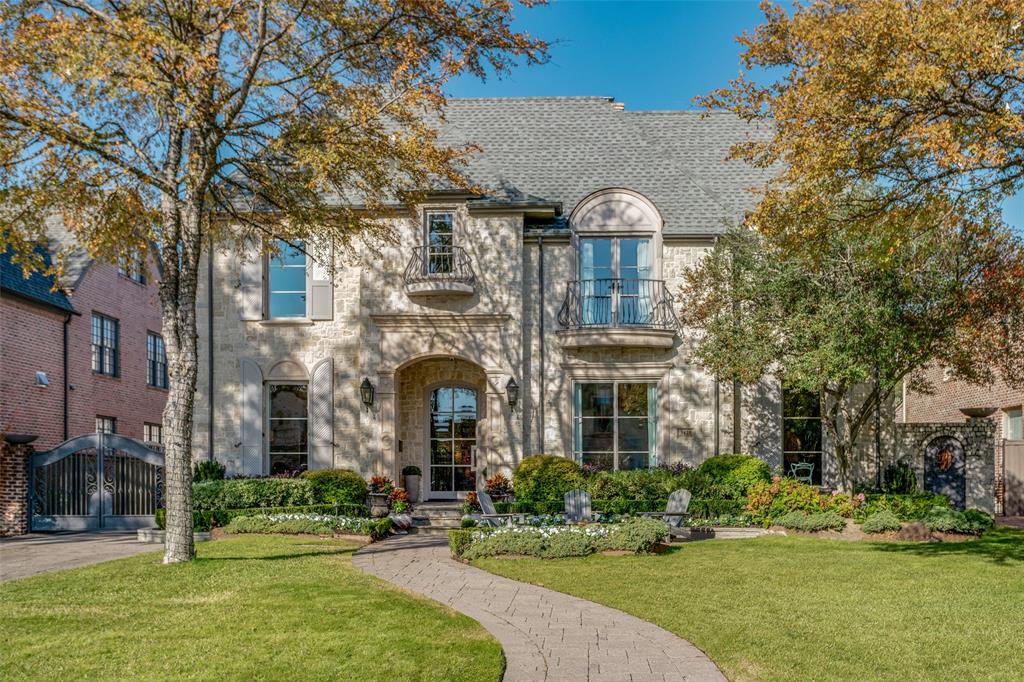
<point>976,436</point>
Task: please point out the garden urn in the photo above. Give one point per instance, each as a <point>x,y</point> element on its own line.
<point>378,505</point>
<point>412,486</point>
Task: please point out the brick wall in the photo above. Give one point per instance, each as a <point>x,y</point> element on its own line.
<point>14,488</point>
<point>945,403</point>
<point>125,397</point>
<point>31,340</point>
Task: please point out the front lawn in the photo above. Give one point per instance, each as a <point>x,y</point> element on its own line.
<point>260,607</point>
<point>782,608</point>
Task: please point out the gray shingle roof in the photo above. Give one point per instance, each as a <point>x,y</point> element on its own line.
<point>37,286</point>
<point>564,148</point>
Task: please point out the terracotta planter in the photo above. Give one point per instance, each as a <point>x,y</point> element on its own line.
<point>378,505</point>
<point>412,486</point>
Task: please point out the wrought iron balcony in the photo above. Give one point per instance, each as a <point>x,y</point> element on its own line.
<point>618,312</point>
<point>439,270</point>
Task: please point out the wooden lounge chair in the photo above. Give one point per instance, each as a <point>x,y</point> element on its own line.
<point>489,515</point>
<point>675,513</point>
<point>578,507</point>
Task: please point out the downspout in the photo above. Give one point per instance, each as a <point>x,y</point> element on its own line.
<point>878,436</point>
<point>718,405</point>
<point>540,282</point>
<point>67,384</point>
<point>737,417</point>
<point>209,342</point>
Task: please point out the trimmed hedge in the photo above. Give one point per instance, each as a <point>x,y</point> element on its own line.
<point>946,520</point>
<point>250,493</point>
<point>459,539</point>
<point>735,474</point>
<point>314,524</point>
<point>207,519</point>
<point>544,480</point>
<point>336,486</point>
<point>881,522</point>
<point>638,535</point>
<point>811,523</point>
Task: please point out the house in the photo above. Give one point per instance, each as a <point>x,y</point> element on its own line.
<point>84,354</point>
<point>945,403</point>
<point>536,317</point>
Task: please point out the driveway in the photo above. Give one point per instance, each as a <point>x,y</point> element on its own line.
<point>27,555</point>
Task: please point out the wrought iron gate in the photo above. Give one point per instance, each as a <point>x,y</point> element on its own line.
<point>97,481</point>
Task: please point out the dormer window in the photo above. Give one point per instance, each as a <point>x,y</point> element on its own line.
<point>286,280</point>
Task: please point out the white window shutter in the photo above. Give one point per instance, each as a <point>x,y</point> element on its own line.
<point>251,427</point>
<point>321,278</point>
<point>321,415</point>
<point>250,281</point>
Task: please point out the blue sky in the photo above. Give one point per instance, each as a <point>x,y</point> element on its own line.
<point>648,55</point>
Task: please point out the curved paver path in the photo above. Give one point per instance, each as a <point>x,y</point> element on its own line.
<point>546,635</point>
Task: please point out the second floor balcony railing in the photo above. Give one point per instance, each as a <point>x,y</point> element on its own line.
<point>439,269</point>
<point>617,303</point>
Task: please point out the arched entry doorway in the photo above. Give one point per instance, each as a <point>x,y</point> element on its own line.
<point>441,408</point>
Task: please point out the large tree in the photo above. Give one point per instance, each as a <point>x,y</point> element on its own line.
<point>139,120</point>
<point>846,326</point>
<point>923,100</point>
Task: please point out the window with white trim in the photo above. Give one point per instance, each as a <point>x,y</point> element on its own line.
<point>288,427</point>
<point>440,229</point>
<point>615,424</point>
<point>287,268</point>
<point>1013,424</point>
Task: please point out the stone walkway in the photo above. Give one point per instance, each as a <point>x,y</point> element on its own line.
<point>546,635</point>
<point>27,555</point>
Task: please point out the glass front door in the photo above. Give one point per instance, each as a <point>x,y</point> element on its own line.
<point>453,417</point>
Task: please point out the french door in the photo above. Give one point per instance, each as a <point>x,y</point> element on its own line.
<point>615,281</point>
<point>453,418</point>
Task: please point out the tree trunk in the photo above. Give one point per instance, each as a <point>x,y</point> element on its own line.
<point>178,305</point>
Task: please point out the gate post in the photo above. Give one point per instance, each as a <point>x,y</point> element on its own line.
<point>15,459</point>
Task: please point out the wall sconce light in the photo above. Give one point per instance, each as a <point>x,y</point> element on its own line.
<point>512,391</point>
<point>366,392</point>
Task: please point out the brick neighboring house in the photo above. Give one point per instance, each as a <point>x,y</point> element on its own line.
<point>951,395</point>
<point>109,384</point>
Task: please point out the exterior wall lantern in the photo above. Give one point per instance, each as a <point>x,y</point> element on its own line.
<point>512,391</point>
<point>366,392</point>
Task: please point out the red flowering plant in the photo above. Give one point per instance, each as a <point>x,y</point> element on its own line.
<point>381,485</point>
<point>498,485</point>
<point>400,501</point>
<point>471,504</point>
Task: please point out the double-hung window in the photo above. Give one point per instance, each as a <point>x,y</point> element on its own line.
<point>106,424</point>
<point>132,265</point>
<point>286,280</point>
<point>615,424</point>
<point>288,427</point>
<point>153,434</point>
<point>801,434</point>
<point>156,356</point>
<point>104,345</point>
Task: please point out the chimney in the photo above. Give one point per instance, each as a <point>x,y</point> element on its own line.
<point>618,106</point>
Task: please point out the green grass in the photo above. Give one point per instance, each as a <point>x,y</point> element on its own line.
<point>253,608</point>
<point>779,608</point>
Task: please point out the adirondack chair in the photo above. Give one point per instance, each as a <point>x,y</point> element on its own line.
<point>578,507</point>
<point>489,515</point>
<point>675,512</point>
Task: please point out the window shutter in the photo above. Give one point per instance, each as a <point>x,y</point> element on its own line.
<point>250,281</point>
<point>251,428</point>
<point>321,282</point>
<point>321,415</point>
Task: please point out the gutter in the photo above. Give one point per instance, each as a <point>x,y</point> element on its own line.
<point>67,384</point>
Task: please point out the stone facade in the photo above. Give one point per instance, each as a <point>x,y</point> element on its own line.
<point>14,460</point>
<point>975,436</point>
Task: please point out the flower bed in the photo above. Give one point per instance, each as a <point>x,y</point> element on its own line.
<point>314,524</point>
<point>637,535</point>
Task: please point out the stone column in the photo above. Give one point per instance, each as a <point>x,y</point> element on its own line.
<point>386,399</point>
<point>501,423</point>
<point>14,511</point>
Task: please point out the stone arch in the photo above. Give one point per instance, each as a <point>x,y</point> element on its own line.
<point>616,209</point>
<point>287,370</point>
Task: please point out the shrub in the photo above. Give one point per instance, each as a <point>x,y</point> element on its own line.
<point>881,522</point>
<point>160,516</point>
<point>459,540</point>
<point>468,523</point>
<point>209,470</point>
<point>336,486</point>
<point>900,479</point>
<point>767,502</point>
<point>910,507</point>
<point>498,485</point>
<point>946,520</point>
<point>710,508</point>
<point>810,523</point>
<point>546,543</point>
<point>638,535</point>
<point>315,524</point>
<point>544,479</point>
<point>471,505</point>
<point>251,493</point>
<point>735,473</point>
<point>411,470</point>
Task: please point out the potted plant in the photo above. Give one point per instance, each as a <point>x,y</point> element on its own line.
<point>401,508</point>
<point>411,474</point>
<point>498,487</point>
<point>378,489</point>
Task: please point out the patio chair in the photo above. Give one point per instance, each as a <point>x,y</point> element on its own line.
<point>802,471</point>
<point>489,515</point>
<point>675,512</point>
<point>578,507</point>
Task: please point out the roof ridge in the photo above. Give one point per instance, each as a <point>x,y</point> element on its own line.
<point>602,98</point>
